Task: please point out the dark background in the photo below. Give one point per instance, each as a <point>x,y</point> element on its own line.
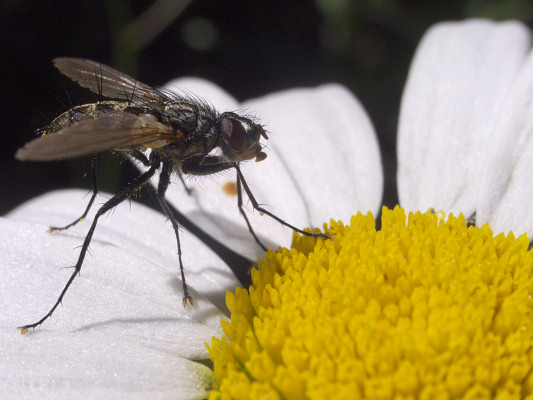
<point>250,48</point>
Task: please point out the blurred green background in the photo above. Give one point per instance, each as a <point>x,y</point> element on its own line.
<point>249,48</point>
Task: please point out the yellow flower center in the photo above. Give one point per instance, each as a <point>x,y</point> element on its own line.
<point>424,308</point>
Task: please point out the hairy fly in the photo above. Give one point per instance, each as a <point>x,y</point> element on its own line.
<point>162,130</point>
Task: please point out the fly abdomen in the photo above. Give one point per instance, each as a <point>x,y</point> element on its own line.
<point>85,111</point>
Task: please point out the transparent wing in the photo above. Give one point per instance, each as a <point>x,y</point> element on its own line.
<point>107,81</point>
<point>117,131</point>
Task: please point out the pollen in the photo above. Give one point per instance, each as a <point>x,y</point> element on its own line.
<point>424,308</point>
<point>230,188</point>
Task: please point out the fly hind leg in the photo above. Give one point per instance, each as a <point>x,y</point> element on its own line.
<point>108,205</point>
<point>91,201</point>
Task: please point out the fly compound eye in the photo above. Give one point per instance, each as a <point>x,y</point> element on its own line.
<point>235,134</point>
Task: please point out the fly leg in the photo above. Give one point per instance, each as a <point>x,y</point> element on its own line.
<point>188,189</point>
<point>212,165</point>
<point>164,180</point>
<point>241,210</point>
<point>142,158</point>
<point>139,156</point>
<point>257,207</point>
<point>108,205</point>
<point>91,201</point>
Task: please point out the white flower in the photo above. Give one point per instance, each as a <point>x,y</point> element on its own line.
<point>122,330</point>
<point>464,146</point>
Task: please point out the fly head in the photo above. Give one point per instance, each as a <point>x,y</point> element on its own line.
<point>239,138</point>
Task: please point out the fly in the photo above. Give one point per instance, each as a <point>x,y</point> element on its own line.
<point>184,135</point>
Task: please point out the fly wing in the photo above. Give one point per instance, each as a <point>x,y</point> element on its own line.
<point>117,131</point>
<point>106,81</point>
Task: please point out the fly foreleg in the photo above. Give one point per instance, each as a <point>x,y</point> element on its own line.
<point>211,165</point>
<point>257,207</point>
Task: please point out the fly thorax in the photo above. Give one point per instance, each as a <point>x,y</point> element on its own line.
<point>190,120</point>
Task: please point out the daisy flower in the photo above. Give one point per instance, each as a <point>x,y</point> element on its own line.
<point>425,307</point>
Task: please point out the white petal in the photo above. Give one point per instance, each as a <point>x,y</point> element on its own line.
<point>120,330</point>
<point>140,231</point>
<point>506,195</point>
<point>328,144</point>
<point>121,292</point>
<point>323,162</point>
<point>92,365</point>
<point>456,87</point>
